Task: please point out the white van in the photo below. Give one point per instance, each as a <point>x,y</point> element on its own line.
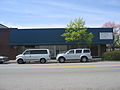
<point>30,55</point>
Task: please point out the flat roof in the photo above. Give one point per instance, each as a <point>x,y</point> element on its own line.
<point>53,36</point>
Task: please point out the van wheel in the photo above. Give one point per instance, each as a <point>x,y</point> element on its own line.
<point>1,62</point>
<point>84,59</point>
<point>42,60</point>
<point>61,60</point>
<point>20,61</point>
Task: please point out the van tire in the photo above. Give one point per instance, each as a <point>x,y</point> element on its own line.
<point>42,60</point>
<point>20,61</point>
<point>1,62</point>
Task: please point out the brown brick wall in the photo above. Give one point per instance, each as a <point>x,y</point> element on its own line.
<point>5,49</point>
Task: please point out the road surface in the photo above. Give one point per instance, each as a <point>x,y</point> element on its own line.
<point>56,76</point>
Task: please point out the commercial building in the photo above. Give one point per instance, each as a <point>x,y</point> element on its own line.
<point>13,41</point>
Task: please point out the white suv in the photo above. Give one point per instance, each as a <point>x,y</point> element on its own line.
<point>82,54</point>
<point>29,55</point>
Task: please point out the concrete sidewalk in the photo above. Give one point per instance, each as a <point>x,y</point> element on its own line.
<point>49,61</point>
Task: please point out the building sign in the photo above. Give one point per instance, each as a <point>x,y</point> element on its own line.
<point>106,35</point>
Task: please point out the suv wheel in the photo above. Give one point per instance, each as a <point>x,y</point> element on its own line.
<point>20,61</point>
<point>42,60</point>
<point>61,60</point>
<point>84,59</point>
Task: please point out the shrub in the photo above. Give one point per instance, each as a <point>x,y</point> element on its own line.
<point>112,55</point>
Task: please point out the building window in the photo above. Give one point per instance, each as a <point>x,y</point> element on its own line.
<point>29,46</point>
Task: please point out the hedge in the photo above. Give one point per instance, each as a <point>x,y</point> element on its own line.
<point>112,55</point>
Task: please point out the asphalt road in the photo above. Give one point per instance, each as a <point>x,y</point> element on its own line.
<point>66,76</point>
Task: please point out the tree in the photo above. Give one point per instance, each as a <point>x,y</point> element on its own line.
<point>111,25</point>
<point>116,32</point>
<point>76,32</point>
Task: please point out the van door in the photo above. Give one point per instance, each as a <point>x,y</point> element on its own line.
<point>27,56</point>
<point>35,56</point>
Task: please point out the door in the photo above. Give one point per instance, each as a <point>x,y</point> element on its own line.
<point>78,54</point>
<point>70,54</point>
<point>27,56</point>
<point>35,55</point>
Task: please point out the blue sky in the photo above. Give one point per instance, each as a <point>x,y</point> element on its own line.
<point>57,13</point>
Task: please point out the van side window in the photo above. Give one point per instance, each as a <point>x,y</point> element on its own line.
<point>39,52</point>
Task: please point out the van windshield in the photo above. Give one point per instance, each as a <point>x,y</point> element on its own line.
<point>27,52</point>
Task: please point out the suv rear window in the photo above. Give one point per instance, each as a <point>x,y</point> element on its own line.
<point>39,52</point>
<point>86,51</point>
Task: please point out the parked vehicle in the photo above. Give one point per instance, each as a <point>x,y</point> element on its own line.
<point>3,59</point>
<point>30,55</point>
<point>83,55</point>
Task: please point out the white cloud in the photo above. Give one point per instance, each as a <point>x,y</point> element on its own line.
<point>41,12</point>
<point>21,26</point>
<point>113,2</point>
<point>84,8</point>
<point>42,26</point>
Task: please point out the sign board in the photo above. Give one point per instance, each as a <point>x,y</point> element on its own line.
<point>106,35</point>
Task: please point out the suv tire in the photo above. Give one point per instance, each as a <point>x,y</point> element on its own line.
<point>84,59</point>
<point>42,60</point>
<point>61,60</point>
<point>20,61</point>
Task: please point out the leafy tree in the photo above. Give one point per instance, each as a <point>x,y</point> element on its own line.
<point>76,32</point>
<point>116,32</point>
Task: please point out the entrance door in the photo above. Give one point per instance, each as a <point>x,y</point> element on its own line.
<point>94,51</point>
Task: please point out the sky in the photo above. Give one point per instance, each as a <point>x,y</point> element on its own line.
<point>57,13</point>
